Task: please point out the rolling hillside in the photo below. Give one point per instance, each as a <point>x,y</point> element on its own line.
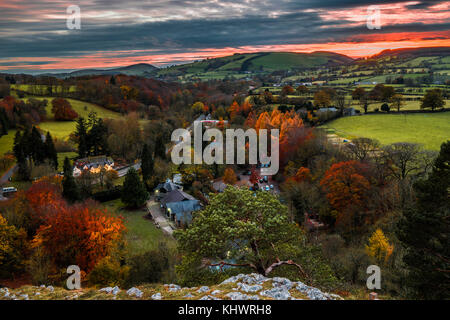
<point>141,69</point>
<point>257,62</point>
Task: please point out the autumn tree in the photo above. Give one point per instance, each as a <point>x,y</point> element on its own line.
<point>287,90</point>
<point>62,110</point>
<point>13,247</point>
<point>397,101</point>
<point>346,189</point>
<point>229,176</point>
<point>254,176</point>
<point>379,246</point>
<point>80,235</point>
<point>322,99</point>
<point>433,99</point>
<point>302,90</point>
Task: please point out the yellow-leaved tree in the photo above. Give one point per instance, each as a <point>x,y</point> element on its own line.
<point>379,246</point>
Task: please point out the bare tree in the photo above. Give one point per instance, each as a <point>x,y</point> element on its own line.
<point>361,148</point>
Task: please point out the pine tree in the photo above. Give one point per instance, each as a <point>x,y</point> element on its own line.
<point>23,167</point>
<point>70,188</point>
<point>147,163</point>
<point>134,193</point>
<point>160,147</point>
<point>81,134</point>
<point>17,147</point>
<point>3,122</point>
<point>425,229</point>
<point>37,146</point>
<point>50,151</point>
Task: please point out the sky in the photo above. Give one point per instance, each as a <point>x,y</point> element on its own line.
<point>34,36</point>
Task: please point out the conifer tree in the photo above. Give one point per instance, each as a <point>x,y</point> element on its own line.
<point>50,151</point>
<point>70,188</point>
<point>425,229</point>
<point>147,163</point>
<point>134,193</point>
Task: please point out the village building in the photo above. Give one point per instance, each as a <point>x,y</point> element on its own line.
<point>93,164</point>
<point>179,206</point>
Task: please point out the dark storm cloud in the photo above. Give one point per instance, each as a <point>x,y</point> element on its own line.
<point>38,28</point>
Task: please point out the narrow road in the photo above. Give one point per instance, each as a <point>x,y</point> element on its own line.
<point>8,174</point>
<point>159,216</point>
<point>124,171</point>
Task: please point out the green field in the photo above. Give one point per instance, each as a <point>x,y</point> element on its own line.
<point>142,235</point>
<point>428,129</point>
<point>6,142</point>
<point>81,107</point>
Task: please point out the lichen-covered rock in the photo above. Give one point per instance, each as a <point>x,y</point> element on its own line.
<point>106,290</point>
<point>157,296</point>
<point>203,289</point>
<point>241,296</point>
<point>249,288</point>
<point>277,293</point>
<point>216,292</point>
<point>135,292</point>
<point>209,297</point>
<point>282,282</point>
<point>173,287</point>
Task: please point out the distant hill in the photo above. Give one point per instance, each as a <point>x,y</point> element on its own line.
<point>264,61</point>
<point>141,69</point>
<point>414,52</point>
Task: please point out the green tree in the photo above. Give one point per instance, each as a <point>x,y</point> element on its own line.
<point>50,151</point>
<point>81,135</point>
<point>13,247</point>
<point>433,99</point>
<point>147,163</point>
<point>134,193</point>
<point>37,146</point>
<point>425,229</point>
<point>70,188</point>
<point>244,229</point>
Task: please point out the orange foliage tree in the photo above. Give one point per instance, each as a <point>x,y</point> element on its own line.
<point>229,176</point>
<point>81,234</point>
<point>346,185</point>
<point>303,174</point>
<point>62,110</point>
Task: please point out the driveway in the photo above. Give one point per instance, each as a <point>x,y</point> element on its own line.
<point>159,217</point>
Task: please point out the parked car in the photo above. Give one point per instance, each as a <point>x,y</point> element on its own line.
<point>265,179</point>
<point>261,180</point>
<point>271,186</point>
<point>267,188</point>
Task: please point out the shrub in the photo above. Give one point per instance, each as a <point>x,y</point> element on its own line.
<point>151,266</point>
<point>108,272</point>
<point>385,107</point>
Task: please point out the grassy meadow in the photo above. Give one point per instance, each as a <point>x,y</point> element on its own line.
<point>429,129</point>
<point>142,234</point>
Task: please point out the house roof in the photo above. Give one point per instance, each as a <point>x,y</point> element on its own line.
<point>176,196</point>
<point>167,186</point>
<point>183,209</point>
